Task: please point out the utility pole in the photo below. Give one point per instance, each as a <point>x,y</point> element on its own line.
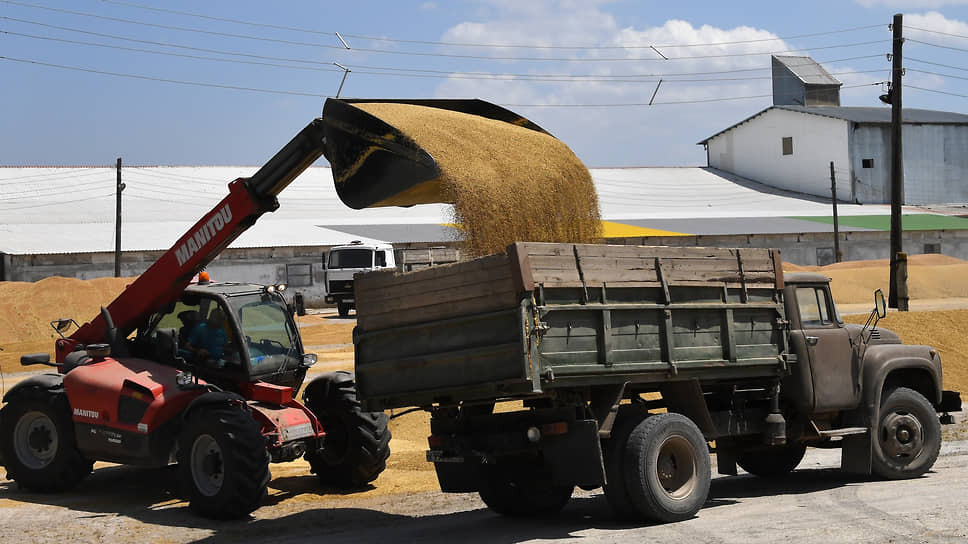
<point>117,224</point>
<point>833,194</point>
<point>898,293</point>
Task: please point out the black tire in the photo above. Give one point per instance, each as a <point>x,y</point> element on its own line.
<point>667,472</point>
<point>38,443</point>
<point>223,464</point>
<point>772,461</point>
<point>343,309</point>
<point>514,488</point>
<point>357,443</point>
<point>614,452</point>
<point>907,437</point>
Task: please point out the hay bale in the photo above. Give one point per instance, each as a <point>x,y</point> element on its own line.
<point>507,183</point>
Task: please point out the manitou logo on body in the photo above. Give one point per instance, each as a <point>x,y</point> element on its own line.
<point>206,232</point>
<point>86,413</point>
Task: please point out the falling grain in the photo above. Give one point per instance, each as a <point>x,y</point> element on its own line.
<point>507,183</point>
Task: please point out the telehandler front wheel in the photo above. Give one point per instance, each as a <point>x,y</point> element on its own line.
<point>223,463</point>
<point>907,438</point>
<point>357,443</point>
<point>37,440</point>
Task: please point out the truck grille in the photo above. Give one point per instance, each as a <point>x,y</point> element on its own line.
<point>340,286</point>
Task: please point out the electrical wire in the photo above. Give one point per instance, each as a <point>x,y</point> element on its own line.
<point>376,70</point>
<point>466,44</point>
<point>422,54</point>
<point>163,80</point>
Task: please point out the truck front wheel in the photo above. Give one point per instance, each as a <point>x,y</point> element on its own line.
<point>667,472</point>
<point>223,462</point>
<point>37,440</point>
<point>522,489</point>
<point>907,436</point>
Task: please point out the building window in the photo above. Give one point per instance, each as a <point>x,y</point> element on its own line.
<point>299,275</point>
<point>788,145</point>
<point>932,247</point>
<point>867,163</point>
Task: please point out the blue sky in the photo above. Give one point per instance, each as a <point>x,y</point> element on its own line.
<point>228,82</point>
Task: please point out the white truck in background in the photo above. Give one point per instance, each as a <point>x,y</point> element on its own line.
<point>342,262</point>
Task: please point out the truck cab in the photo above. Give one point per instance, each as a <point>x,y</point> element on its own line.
<point>341,263</point>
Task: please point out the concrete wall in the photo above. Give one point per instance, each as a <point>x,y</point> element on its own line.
<point>754,150</point>
<point>810,249</point>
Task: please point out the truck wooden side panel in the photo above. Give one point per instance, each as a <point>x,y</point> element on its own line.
<point>545,316</point>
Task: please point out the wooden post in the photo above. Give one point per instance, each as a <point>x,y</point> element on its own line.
<point>897,165</point>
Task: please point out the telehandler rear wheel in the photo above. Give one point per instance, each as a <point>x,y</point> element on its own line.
<point>223,463</point>
<point>907,438</point>
<point>667,471</point>
<point>343,308</point>
<point>37,440</point>
<point>357,443</point>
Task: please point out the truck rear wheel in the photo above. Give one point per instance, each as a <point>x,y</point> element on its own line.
<point>522,489</point>
<point>907,438</point>
<point>667,472</point>
<point>37,440</point>
<point>772,461</point>
<point>223,463</point>
<point>357,443</point>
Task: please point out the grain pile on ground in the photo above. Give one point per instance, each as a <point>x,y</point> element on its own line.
<point>28,309</point>
<point>507,183</point>
<point>929,277</point>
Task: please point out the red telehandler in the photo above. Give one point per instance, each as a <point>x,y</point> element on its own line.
<point>130,389</point>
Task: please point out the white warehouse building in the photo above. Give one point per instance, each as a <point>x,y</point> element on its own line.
<point>791,147</point>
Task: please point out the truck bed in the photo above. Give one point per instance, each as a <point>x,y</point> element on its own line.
<point>544,316</point>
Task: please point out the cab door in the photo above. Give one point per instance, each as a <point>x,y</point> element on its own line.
<point>833,362</point>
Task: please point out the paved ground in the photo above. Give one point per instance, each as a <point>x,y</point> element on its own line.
<point>816,504</point>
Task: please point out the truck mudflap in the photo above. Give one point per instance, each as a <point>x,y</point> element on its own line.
<point>950,402</point>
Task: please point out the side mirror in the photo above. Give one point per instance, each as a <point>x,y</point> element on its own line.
<point>309,359</point>
<point>879,305</point>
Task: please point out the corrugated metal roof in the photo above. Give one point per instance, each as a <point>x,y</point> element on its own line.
<point>808,70</point>
<point>871,115</point>
<point>71,210</point>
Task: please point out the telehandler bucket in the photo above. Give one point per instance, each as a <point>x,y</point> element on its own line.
<point>375,164</point>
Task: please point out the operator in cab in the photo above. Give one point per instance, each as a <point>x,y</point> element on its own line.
<point>206,341</point>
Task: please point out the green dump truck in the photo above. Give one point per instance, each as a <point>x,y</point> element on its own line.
<point>558,365</point>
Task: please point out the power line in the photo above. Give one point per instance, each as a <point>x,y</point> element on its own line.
<point>163,80</point>
<point>374,70</point>
<point>951,47</point>
<point>466,44</point>
<point>935,91</point>
<point>906,27</point>
<point>167,53</point>
<point>937,74</point>
<point>937,64</point>
<point>421,54</point>
<point>671,102</point>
